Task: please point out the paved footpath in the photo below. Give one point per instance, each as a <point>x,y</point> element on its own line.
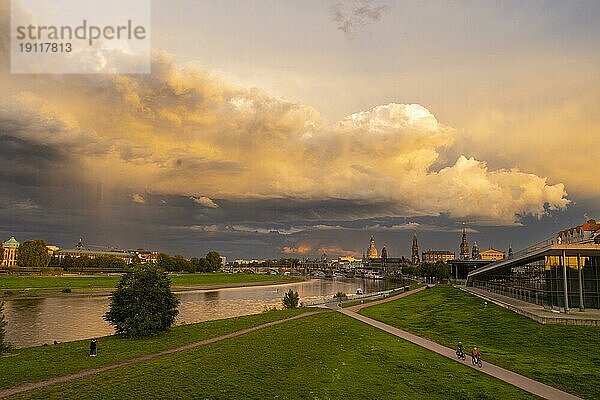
<point>88,372</point>
<point>520,381</point>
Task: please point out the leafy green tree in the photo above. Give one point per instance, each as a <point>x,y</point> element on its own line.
<point>4,346</point>
<point>165,262</point>
<point>33,253</point>
<point>290,299</point>
<point>179,263</point>
<point>82,262</point>
<point>214,260</point>
<point>199,264</point>
<point>107,263</point>
<point>66,262</point>
<point>339,296</point>
<point>143,304</point>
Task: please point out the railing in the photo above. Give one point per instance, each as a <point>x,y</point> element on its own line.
<point>536,247</point>
<point>354,297</point>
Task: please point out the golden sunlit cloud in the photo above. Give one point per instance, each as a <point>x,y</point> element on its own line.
<point>184,132</point>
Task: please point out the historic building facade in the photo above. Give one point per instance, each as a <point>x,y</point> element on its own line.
<point>372,250</point>
<point>9,257</point>
<point>432,256</point>
<point>492,255</point>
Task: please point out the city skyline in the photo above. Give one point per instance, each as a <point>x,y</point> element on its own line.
<point>259,140</point>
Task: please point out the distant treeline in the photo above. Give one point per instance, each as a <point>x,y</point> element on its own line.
<point>210,263</point>
<point>34,254</point>
<point>287,262</point>
<point>440,270</point>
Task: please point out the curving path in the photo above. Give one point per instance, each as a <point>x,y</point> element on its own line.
<point>520,381</point>
<point>65,378</point>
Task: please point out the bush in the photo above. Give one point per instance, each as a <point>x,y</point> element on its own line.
<point>66,290</point>
<point>339,296</point>
<point>142,304</point>
<point>290,300</point>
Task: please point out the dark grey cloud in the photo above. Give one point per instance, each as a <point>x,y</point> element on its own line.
<point>355,16</point>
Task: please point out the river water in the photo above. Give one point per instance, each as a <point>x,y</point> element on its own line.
<point>33,322</point>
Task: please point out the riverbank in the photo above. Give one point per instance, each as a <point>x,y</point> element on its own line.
<point>327,355</point>
<point>35,287</point>
<point>565,357</point>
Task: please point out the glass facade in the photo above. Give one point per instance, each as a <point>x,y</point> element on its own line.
<point>541,281</point>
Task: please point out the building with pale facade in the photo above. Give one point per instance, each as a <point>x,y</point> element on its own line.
<point>9,256</point>
<point>432,256</point>
<point>492,255</point>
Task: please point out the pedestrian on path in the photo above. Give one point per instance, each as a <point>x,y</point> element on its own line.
<point>93,348</point>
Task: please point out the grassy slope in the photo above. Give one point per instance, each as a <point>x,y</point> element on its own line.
<point>100,282</point>
<point>36,363</point>
<point>566,357</point>
<point>327,356</point>
<point>370,300</point>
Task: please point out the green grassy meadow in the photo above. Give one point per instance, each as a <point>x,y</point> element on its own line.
<point>11,285</point>
<point>566,357</point>
<point>37,363</point>
<point>325,356</point>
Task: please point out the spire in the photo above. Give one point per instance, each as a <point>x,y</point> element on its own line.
<point>475,253</point>
<point>464,245</point>
<point>415,250</point>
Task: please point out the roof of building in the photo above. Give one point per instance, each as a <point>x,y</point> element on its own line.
<point>491,250</point>
<point>590,225</point>
<point>11,243</point>
<point>438,252</point>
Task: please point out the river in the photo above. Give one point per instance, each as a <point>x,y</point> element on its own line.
<point>33,322</point>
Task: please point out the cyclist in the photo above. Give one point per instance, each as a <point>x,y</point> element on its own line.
<point>460,352</point>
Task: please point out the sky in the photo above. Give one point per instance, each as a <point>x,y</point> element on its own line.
<point>286,128</point>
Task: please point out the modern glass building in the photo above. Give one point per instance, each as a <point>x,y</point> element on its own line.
<point>559,273</point>
<point>554,275</point>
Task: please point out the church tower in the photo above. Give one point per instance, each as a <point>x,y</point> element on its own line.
<point>384,255</point>
<point>415,250</point>
<point>464,246</point>
<point>475,253</point>
<point>372,250</point>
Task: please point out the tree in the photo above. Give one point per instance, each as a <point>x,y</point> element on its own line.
<point>181,264</point>
<point>165,262</point>
<point>33,253</point>
<point>66,262</point>
<point>143,304</point>
<point>4,346</point>
<point>339,296</point>
<point>214,260</point>
<point>290,299</point>
<point>108,263</point>
<point>199,264</point>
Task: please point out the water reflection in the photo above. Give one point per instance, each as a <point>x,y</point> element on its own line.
<point>32,322</point>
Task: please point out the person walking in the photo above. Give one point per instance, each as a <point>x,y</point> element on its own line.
<point>93,348</point>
